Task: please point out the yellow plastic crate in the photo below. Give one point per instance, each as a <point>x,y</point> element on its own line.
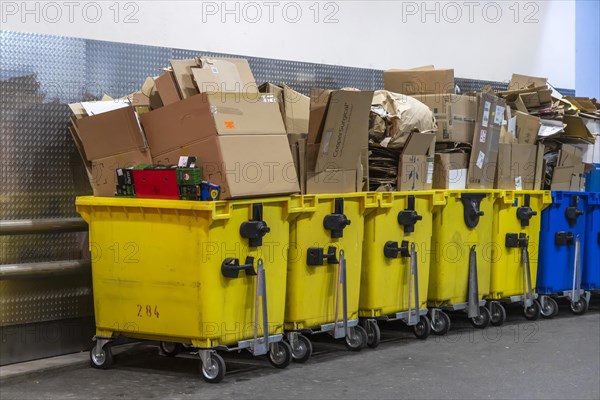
<point>311,289</point>
<point>384,280</point>
<point>156,268</point>
<point>451,242</point>
<point>506,265</point>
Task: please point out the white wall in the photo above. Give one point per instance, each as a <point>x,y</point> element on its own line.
<point>374,34</point>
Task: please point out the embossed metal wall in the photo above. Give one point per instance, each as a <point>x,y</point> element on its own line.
<point>41,172</point>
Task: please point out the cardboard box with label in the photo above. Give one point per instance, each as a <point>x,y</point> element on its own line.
<point>239,139</point>
<point>338,135</point>
<point>484,155</point>
<point>415,170</point>
<point>455,116</point>
<point>518,167</point>
<point>421,80</point>
<point>450,170</point>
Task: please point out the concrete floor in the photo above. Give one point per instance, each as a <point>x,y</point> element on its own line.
<point>546,359</point>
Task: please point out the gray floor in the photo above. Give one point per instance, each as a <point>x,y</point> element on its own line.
<point>558,358</point>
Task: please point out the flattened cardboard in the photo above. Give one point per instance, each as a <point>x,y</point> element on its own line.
<point>297,111</point>
<point>167,88</point>
<point>450,171</point>
<point>298,149</point>
<point>110,133</point>
<point>248,165</point>
<point>182,71</point>
<point>484,155</point>
<point>419,81</point>
<point>204,115</point>
<point>217,75</point>
<point>416,167</point>
<point>516,166</point>
<point>576,129</point>
<point>455,116</point>
<point>333,181</point>
<point>103,178</point>
<point>527,128</point>
<point>519,81</point>
<point>319,103</point>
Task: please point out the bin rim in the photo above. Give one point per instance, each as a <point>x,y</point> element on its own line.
<point>508,195</point>
<point>557,195</point>
<point>436,197</point>
<point>307,202</point>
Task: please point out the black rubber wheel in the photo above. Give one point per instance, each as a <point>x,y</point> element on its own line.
<point>103,360</point>
<point>579,307</point>
<point>548,307</point>
<point>357,340</point>
<point>215,370</point>
<point>373,333</point>
<point>532,313</point>
<point>302,350</point>
<point>280,354</point>
<point>441,325</point>
<point>170,349</point>
<point>422,329</point>
<point>497,313</point>
<point>483,320</point>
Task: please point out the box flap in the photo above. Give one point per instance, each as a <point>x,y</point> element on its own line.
<point>527,127</point>
<point>576,128</point>
<point>419,144</point>
<point>319,102</point>
<point>519,81</point>
<point>213,74</point>
<point>110,133</point>
<point>167,88</point>
<point>182,71</point>
<point>419,81</point>
<point>296,111</point>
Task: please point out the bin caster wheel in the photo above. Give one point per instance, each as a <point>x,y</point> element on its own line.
<point>548,307</point>
<point>357,339</point>
<point>483,320</point>
<point>373,333</point>
<point>302,349</point>
<point>440,325</point>
<point>169,349</point>
<point>280,354</point>
<point>213,370</point>
<point>422,329</point>
<point>497,313</point>
<point>103,359</point>
<point>532,312</point>
<point>579,307</point>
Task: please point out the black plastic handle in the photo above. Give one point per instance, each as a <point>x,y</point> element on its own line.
<point>230,268</point>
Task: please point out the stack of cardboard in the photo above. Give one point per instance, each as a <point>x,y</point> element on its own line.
<point>560,127</point>
<point>206,107</point>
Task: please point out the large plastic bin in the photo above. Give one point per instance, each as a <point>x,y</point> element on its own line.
<point>400,220</point>
<point>590,279</point>
<point>185,271</point>
<point>325,226</point>
<point>515,239</point>
<point>460,226</point>
<point>562,246</point>
<point>592,179</point>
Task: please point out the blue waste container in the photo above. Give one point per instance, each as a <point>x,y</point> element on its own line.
<point>590,278</point>
<point>592,179</point>
<point>563,224</point>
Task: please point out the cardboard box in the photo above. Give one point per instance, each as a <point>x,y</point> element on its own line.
<point>569,171</point>
<point>422,80</point>
<point>182,72</point>
<point>415,170</point>
<point>450,170</point>
<point>517,166</point>
<point>215,75</point>
<point>455,116</point>
<point>294,106</point>
<point>527,128</point>
<point>103,171</point>
<point>519,81</point>
<point>167,88</point>
<point>205,115</point>
<point>109,133</point>
<point>484,155</point>
<point>244,165</point>
<point>338,127</point>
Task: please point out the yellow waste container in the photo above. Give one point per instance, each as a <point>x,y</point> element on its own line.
<point>515,239</point>
<point>324,266</point>
<point>203,274</point>
<point>396,257</point>
<point>459,275</point>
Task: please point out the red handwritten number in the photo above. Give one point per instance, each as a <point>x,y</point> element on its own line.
<point>139,310</point>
